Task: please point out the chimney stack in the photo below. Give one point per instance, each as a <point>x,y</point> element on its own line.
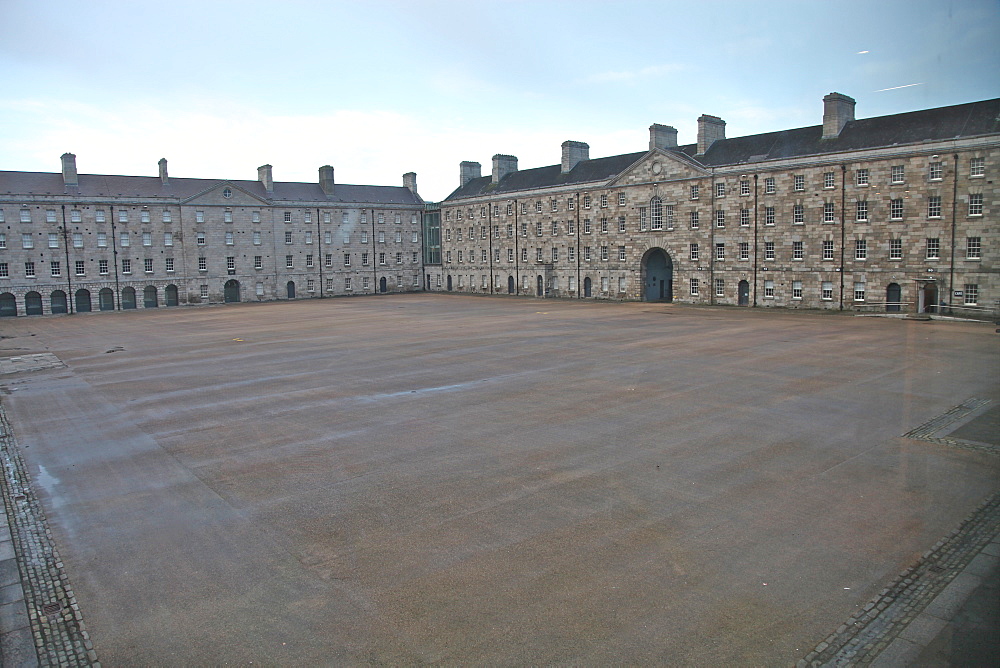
<point>264,176</point>
<point>710,130</point>
<point>164,179</point>
<point>469,171</point>
<point>410,182</point>
<point>325,179</point>
<point>69,170</point>
<point>574,152</point>
<point>502,166</point>
<point>838,111</point>
<point>662,136</point>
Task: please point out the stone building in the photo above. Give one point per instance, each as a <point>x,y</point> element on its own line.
<point>82,242</point>
<point>891,213</point>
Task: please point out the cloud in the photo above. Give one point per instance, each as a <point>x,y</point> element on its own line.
<point>649,72</point>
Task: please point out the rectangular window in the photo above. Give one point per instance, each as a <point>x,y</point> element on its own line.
<point>586,253</point>
<point>720,218</point>
<point>744,217</point>
<point>604,225</point>
<point>310,285</point>
<point>255,217</point>
<point>860,249</point>
<point>510,254</point>
<point>258,261</point>
<point>936,171</point>
<point>586,226</point>
<point>25,215</point>
<point>309,260</point>
<point>896,209</point>
<point>604,253</point>
<point>203,291</point>
<point>829,180</point>
<point>621,253</point>
<point>933,249</point>
<point>694,220</point>
<point>555,255</point>
<point>144,216</point>
<point>769,215</point>
<point>621,199</point>
<point>798,183</point>
<point>861,177</point>
<point>53,240</point>
<point>605,283</point>
<point>971,294</point>
<point>4,270</point>
<point>55,268</point>
<point>364,237</point>
<point>75,216</point>
<point>147,265</point>
<point>744,251</point>
<point>78,240</point>
<point>127,265</point>
<point>27,241</point>
<point>586,201</point>
<point>199,216</point>
<point>798,214</point>
<point>227,216</point>
<point>165,216</point>
<point>256,238</point>
<point>720,251</point>
<point>199,238</point>
<point>861,211</point>
<point>694,192</point>
<point>289,261</point>
<point>977,167</point>
<point>328,259</point>
<point>347,283</point>
<point>976,204</point>
<point>895,249</point>
<point>720,288</point>
<point>202,264</point>
<point>827,291</point>
<point>768,250</point>
<point>570,227</point>
<point>622,284</point>
<point>798,250</point>
<point>744,187</point>
<point>768,289</point>
<point>102,240</point>
<point>229,239</point>
<point>694,252</point>
<point>973,248</point>
<point>99,216</point>
<point>288,237</point>
<point>309,237</point>
<point>829,212</point>
<point>897,174</point>
<point>570,204</point>
<point>720,189</point>
<point>604,201</point>
<point>29,269</point>
<point>3,240</point>
<point>571,254</point>
<point>828,250</point>
<point>859,291</point>
<point>621,221</point>
<point>364,282</point>
<point>287,217</point>
<point>381,258</point>
<point>80,267</point>
<point>769,185</point>
<point>364,258</point>
<point>168,239</point>
<point>50,216</point>
<point>796,289</point>
<point>694,287</point>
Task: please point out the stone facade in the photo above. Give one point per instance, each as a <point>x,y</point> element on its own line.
<point>842,215</point>
<point>92,242</point>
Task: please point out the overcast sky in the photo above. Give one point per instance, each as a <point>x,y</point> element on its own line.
<point>377,89</point>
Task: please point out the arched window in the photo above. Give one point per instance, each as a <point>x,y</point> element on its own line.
<point>656,213</point>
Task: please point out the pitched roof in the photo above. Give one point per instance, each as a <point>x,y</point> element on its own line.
<point>942,123</point>
<point>147,187</point>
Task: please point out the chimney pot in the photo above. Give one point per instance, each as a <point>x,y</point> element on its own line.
<point>70,177</point>
<point>710,130</point>
<point>410,182</point>
<point>662,136</point>
<point>503,165</point>
<point>326,181</point>
<point>164,179</point>
<point>838,111</point>
<point>573,153</point>
<point>264,176</point>
<point>468,171</point>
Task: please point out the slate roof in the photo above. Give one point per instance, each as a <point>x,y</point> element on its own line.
<point>150,187</point>
<point>942,123</point>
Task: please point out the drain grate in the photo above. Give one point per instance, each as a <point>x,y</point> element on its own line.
<point>51,609</point>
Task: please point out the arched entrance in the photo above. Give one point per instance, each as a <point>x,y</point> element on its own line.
<point>57,301</point>
<point>510,285</point>
<point>128,298</point>
<point>658,275</point>
<point>539,287</point>
<point>588,287</point>
<point>893,295</point>
<point>382,285</point>
<point>927,298</point>
<point>231,291</point>
<point>149,299</point>
<point>170,295</point>
<point>8,304</point>
<point>449,282</point>
<point>33,303</point>
<point>106,299</point>
<point>743,293</point>
<point>428,282</point>
<point>82,301</point>
<point>290,289</point>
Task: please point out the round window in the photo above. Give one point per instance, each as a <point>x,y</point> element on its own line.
<point>227,192</point>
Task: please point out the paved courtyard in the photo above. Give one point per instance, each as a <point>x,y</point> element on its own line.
<point>465,480</point>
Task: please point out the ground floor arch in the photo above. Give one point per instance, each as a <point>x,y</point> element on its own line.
<point>743,293</point>
<point>128,298</point>
<point>149,297</point>
<point>106,299</point>
<point>588,287</point>
<point>539,286</point>
<point>83,301</point>
<point>449,282</point>
<point>57,302</point>
<point>893,295</point>
<point>33,303</point>
<point>8,304</point>
<point>657,276</point>
<point>927,297</point>
<point>383,285</point>
<point>290,289</point>
<point>510,285</point>
<point>170,295</point>
<point>231,291</point>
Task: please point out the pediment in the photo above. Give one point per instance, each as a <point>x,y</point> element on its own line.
<point>660,165</point>
<point>217,195</point>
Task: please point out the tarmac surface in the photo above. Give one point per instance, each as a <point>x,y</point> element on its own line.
<point>464,480</point>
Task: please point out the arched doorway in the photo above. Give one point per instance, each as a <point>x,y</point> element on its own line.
<point>290,289</point>
<point>8,304</point>
<point>128,298</point>
<point>33,303</point>
<point>428,282</point>
<point>231,291</point>
<point>57,302</point>
<point>106,299</point>
<point>928,298</point>
<point>382,285</point>
<point>449,282</point>
<point>588,287</point>
<point>743,293</point>
<point>170,295</point>
<point>510,285</point>
<point>149,299</point>
<point>82,301</point>
<point>658,275</point>
<point>539,286</point>
<point>893,295</point>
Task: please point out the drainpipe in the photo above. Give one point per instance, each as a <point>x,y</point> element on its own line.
<point>843,224</point>
<point>576,209</point>
<point>319,253</point>
<point>69,273</point>
<point>374,253</point>
<point>489,233</point>
<point>517,253</point>
<point>756,243</point>
<point>954,215</point>
<point>711,241</point>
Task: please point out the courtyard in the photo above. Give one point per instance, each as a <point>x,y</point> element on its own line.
<point>464,480</point>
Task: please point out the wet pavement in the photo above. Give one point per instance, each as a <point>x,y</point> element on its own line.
<point>456,479</point>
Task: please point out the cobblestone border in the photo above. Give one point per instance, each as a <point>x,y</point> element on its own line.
<point>61,639</point>
<point>860,640</point>
<point>926,431</point>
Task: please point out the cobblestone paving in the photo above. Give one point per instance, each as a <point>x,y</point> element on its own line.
<point>926,431</point>
<point>56,621</point>
<point>33,362</point>
<point>862,638</point>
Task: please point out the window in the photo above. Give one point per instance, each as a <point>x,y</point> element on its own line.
<point>976,204</point>
<point>309,260</point>
<point>622,284</point>
<point>860,249</point>
<point>127,266</point>
<point>259,289</point>
<point>524,207</point>
<point>694,252</point>
<point>102,240</point>
<point>828,250</point>
<point>769,215</point>
<point>55,268</point>
<point>29,269</point>
<point>288,237</point>
<point>78,240</point>
<point>829,212</point>
<point>538,230</point>
<point>147,238</point>
<point>768,289</point>
<point>744,251</point>
<point>570,203</point>
<point>4,270</point>
<point>50,216</point>
<point>586,226</point>
<point>827,290</point>
<point>510,230</point>
<point>670,209</point>
<point>744,217</point>
<point>510,254</point>
<point>381,237</point>
<point>604,201</point>
<point>555,255</point>
<point>694,192</point>
<point>720,251</point>
<point>381,258</point>
<point>168,239</point>
<point>289,261</point>
<point>605,283</point>
<point>720,189</point>
<point>27,241</point>
<point>25,215</point>
<point>768,250</point>
<point>399,236</point>
<point>309,237</point>
<point>310,285</point>
<point>538,206</point>
<point>202,264</point>
<point>364,237</point>
<point>203,291</point>
<point>694,220</point>
<point>694,287</point>
<point>328,259</point>
<point>656,213</point>
<point>744,187</point>
<point>973,248</point>
<point>99,216</point>
<point>364,258</point>
<point>586,253</point>
<point>643,223</point>
<point>586,201</point>
<point>54,240</point>
<point>256,238</point>
<point>482,212</point>
<point>829,180</point>
<point>3,240</point>
<point>227,216</point>
<point>621,199</point>
<point>364,283</point>
<point>720,288</point>
<point>496,255</point>
<point>461,255</point>
<point>147,265</point>
<point>199,238</point>
<point>977,167</point>
<point>524,255</point>
<point>896,209</point>
<point>604,225</point>
<point>347,283</point>
<point>604,253</point>
<point>720,218</point>
<point>769,185</point>
<point>570,227</point>
<point>199,216</point>
<point>933,249</point>
<point>861,211</point>
<point>287,217</point>
<point>798,250</point>
<point>798,214</point>
<point>555,228</point>
<point>859,291</point>
<point>571,254</point>
<point>796,289</point>
<point>895,249</point>
<point>971,294</point>
<point>936,171</point>
<point>255,216</point>
<point>80,267</point>
<point>798,183</point>
<point>861,177</point>
<point>75,216</point>
<point>621,253</point>
<point>897,174</point>
<point>258,261</point>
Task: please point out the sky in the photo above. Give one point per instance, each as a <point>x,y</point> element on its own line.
<point>379,88</point>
